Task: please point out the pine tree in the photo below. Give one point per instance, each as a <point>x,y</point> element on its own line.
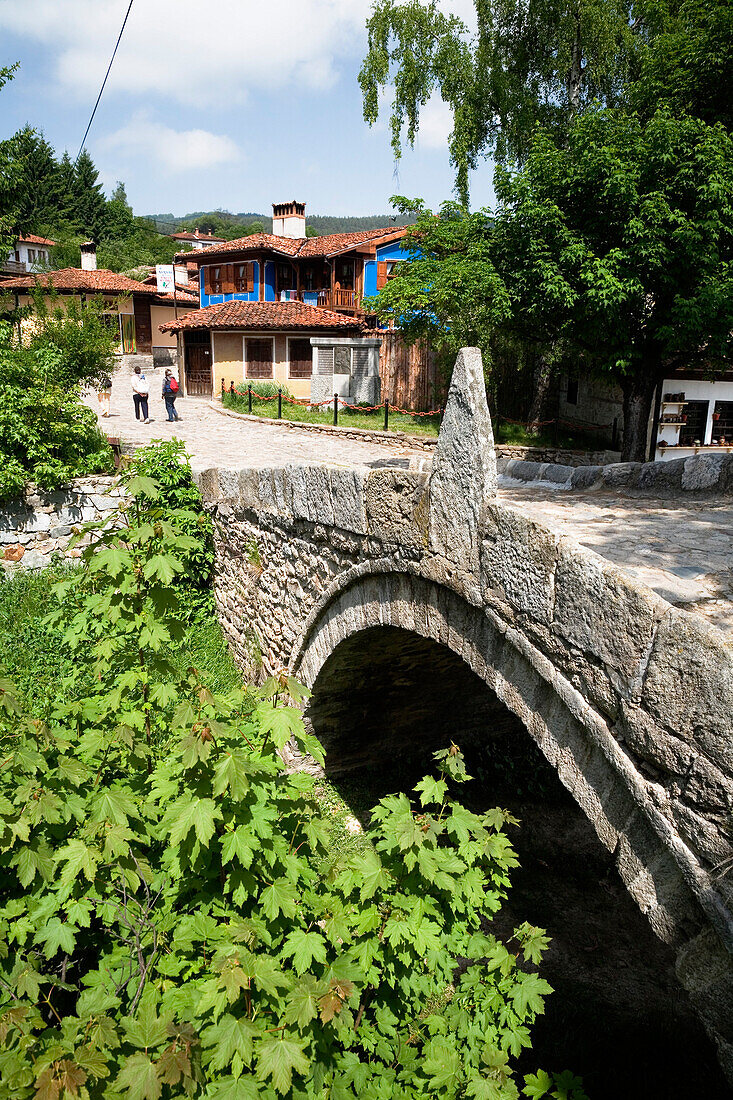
<point>89,201</point>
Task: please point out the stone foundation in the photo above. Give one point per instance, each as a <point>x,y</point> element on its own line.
<point>37,529</point>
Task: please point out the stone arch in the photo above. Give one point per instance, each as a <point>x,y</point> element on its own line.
<point>652,862</point>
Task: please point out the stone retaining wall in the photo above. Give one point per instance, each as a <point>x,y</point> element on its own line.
<point>428,442</point>
<point>706,474</point>
<point>40,525</point>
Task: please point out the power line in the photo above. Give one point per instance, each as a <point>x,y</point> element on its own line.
<point>91,120</point>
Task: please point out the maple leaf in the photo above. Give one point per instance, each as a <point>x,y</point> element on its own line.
<point>304,947</point>
<point>139,1077</point>
<point>277,1058</point>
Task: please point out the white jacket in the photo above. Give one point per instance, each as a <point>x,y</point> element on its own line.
<point>140,385</point>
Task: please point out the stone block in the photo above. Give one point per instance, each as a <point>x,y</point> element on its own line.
<point>104,503</point>
<point>646,740</point>
<point>661,477</point>
<point>605,614</point>
<point>701,472</point>
<point>394,505</point>
<point>520,469</point>
<point>556,473</point>
<point>463,477</point>
<point>347,499</point>
<point>688,685</point>
<point>586,477</point>
<point>518,557</point>
<point>621,475</point>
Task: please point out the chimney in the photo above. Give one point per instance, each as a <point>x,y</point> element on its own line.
<point>89,256</point>
<point>288,219</point>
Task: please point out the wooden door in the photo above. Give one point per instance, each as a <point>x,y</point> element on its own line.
<point>198,371</point>
<point>259,358</point>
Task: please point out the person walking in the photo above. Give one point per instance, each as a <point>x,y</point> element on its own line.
<point>170,393</point>
<point>140,393</point>
<point>104,393</point>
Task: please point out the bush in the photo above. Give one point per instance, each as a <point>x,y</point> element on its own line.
<point>264,389</point>
<point>168,464</point>
<point>46,434</point>
<point>168,927</point>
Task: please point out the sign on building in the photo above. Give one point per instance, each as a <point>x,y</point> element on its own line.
<point>164,278</point>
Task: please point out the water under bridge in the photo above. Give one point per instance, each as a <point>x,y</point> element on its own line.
<point>408,598</point>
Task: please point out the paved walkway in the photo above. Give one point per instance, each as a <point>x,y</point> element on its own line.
<point>213,439</point>
<point>683,550</point>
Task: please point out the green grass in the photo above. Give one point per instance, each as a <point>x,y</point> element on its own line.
<point>505,432</point>
<point>34,658</point>
<point>347,418</point>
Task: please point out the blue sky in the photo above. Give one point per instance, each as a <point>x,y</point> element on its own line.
<point>227,103</point>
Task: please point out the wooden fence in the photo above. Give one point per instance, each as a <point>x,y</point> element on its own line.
<point>408,373</point>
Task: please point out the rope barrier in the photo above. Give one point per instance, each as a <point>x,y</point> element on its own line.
<point>305,402</point>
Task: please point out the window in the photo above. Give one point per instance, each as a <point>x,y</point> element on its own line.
<point>697,419</point>
<point>723,426</point>
<point>244,278</point>
<point>214,280</point>
<point>31,255</point>
<point>572,394</point>
<point>259,358</point>
<point>386,269</point>
<point>285,279</point>
<point>300,354</point>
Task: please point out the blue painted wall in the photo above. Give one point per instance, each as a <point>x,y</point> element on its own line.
<point>269,281</point>
<point>390,251</point>
<point>214,299</point>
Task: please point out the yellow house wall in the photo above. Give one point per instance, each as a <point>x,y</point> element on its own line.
<point>229,362</point>
<point>62,301</point>
<point>162,315</point>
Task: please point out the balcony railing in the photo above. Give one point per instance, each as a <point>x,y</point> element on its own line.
<point>326,299</point>
<point>13,267</point>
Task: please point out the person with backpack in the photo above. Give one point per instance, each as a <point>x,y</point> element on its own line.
<point>170,393</point>
<point>140,393</point>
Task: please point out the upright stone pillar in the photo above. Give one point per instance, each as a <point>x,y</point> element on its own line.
<point>463,477</point>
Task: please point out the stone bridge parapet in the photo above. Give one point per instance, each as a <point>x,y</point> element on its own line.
<point>628,698</point>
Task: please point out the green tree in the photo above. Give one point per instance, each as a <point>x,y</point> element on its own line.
<point>8,181</point>
<point>615,247</point>
<point>46,434</point>
<point>525,64</point>
<point>90,207</point>
<point>119,222</point>
<point>38,195</point>
<point>689,62</point>
<point>175,921</point>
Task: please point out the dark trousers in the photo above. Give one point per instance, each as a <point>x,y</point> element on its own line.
<point>141,405</point>
<point>170,405</point>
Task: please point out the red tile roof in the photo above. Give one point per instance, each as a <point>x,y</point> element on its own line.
<point>75,278</point>
<point>189,236</point>
<point>254,316</point>
<point>305,247</point>
<point>32,239</point>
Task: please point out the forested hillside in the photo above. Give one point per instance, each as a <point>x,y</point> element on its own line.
<point>228,225</point>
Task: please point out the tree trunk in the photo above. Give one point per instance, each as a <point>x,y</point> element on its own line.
<point>638,397</point>
<point>541,377</point>
<point>575,76</point>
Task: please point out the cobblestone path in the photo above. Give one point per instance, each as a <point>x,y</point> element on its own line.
<point>681,549</point>
<point>213,439</point>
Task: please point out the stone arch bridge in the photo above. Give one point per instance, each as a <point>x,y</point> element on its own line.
<point>362,578</point>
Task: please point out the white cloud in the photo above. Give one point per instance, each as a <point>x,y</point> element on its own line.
<point>172,150</point>
<point>436,124</point>
<point>212,54</point>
